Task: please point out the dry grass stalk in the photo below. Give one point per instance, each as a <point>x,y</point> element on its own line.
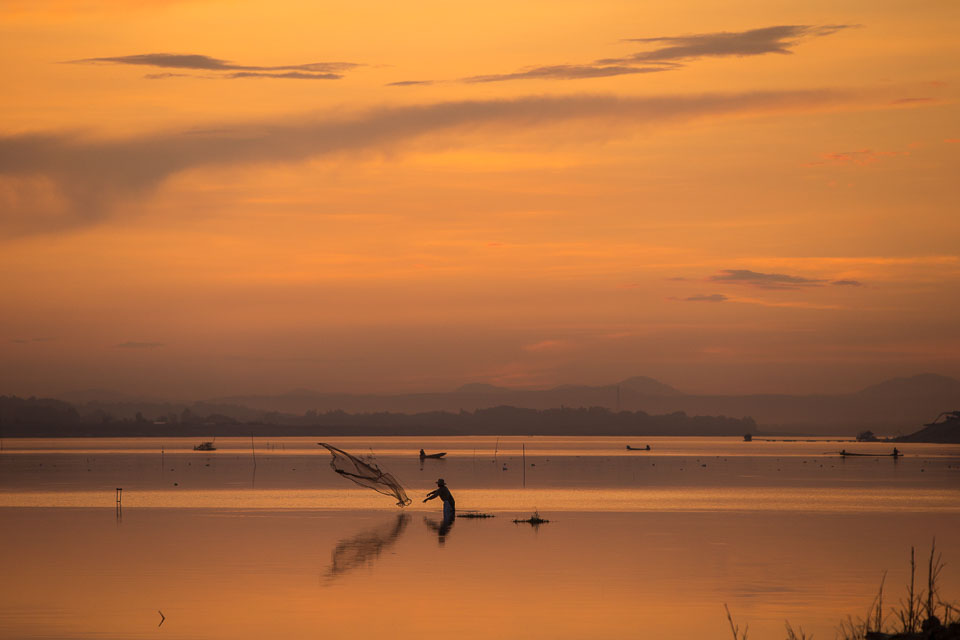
<point>796,635</point>
<point>734,628</point>
<point>914,609</point>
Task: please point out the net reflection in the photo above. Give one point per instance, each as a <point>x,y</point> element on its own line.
<point>365,547</point>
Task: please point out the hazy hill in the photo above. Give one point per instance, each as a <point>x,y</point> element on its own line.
<point>891,407</point>
<point>468,397</point>
<point>945,429</point>
<point>33,417</point>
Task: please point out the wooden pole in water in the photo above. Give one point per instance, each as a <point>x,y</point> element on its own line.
<point>524,451</point>
<point>254,451</point>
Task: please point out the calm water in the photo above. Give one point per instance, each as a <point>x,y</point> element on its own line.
<point>247,544</point>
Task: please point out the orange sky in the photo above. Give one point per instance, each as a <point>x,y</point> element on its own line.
<point>201,198</point>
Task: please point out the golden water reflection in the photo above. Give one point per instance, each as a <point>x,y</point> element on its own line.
<point>645,545</point>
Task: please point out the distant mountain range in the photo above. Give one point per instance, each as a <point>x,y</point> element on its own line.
<point>892,407</point>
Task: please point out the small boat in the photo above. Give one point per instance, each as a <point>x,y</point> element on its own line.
<point>748,437</point>
<point>646,448</point>
<point>205,446</point>
<point>896,453</point>
<point>431,455</point>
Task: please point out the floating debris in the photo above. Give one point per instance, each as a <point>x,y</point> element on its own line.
<point>535,519</point>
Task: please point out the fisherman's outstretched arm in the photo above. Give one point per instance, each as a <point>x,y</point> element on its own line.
<point>432,495</point>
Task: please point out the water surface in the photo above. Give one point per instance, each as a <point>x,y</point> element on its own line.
<point>267,541</point>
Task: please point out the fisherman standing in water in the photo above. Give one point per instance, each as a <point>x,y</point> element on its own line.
<point>449,505</point>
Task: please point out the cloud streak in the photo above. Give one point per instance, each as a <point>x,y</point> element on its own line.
<point>780,39</point>
<point>700,297</point>
<point>764,280</point>
<point>79,178</point>
<point>861,157</point>
<point>675,53</point>
<point>223,69</point>
<point>847,283</point>
<point>567,72</point>
<point>773,280</point>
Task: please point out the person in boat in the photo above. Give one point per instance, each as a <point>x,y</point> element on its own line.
<point>843,452</point>
<point>449,505</point>
<point>896,452</point>
<point>423,453</point>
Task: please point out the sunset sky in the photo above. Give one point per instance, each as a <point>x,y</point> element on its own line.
<point>208,197</point>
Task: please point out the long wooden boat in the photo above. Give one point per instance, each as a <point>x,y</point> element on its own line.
<point>894,454</point>
<point>646,448</point>
<point>432,455</point>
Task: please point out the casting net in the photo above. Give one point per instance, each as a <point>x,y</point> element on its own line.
<point>365,472</point>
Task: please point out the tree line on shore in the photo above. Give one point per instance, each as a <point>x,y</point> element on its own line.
<point>44,417</point>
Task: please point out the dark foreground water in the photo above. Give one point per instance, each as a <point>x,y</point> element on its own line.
<point>639,544</point>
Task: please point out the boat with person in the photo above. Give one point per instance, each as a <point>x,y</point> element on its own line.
<point>896,453</point>
<point>424,455</point>
<point>205,446</point>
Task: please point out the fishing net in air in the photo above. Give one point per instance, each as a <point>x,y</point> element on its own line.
<point>365,472</point>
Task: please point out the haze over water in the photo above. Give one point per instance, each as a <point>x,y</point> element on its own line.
<point>639,544</point>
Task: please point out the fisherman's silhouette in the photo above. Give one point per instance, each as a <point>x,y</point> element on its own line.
<point>449,510</point>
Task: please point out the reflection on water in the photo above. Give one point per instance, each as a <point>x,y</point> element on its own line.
<point>442,527</point>
<point>366,546</point>
<point>647,546</point>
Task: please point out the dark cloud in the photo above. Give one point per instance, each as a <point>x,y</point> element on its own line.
<point>139,345</point>
<point>294,75</point>
<point>753,42</point>
<point>566,72</point>
<point>847,283</point>
<point>765,280</point>
<point>675,54</point>
<point>700,297</point>
<point>224,68</point>
<point>87,177</point>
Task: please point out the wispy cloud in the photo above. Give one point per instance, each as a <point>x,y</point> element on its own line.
<point>675,53</point>
<point>775,280</point>
<point>861,157</point>
<point>546,345</point>
<point>700,297</point>
<point>753,42</point>
<point>223,69</point>
<point>567,72</point>
<point>81,178</point>
<point>765,280</point>
<point>410,83</point>
<point>138,345</point>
